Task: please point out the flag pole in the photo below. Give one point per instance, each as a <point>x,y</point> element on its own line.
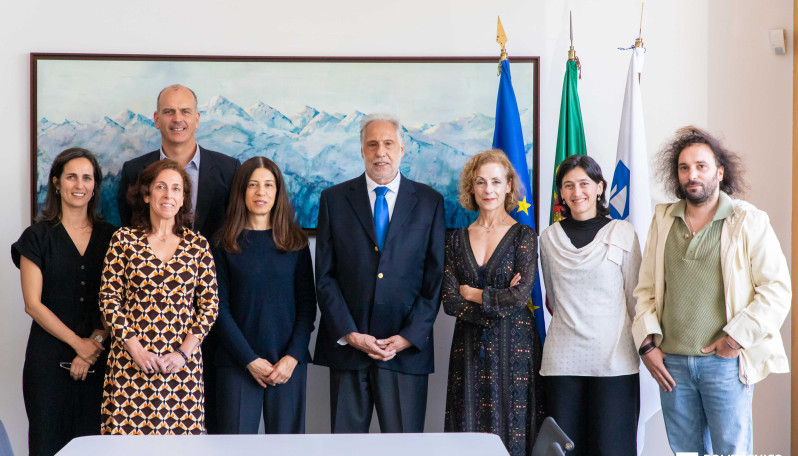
<point>639,40</point>
<point>572,51</point>
<point>630,197</point>
<point>508,137</point>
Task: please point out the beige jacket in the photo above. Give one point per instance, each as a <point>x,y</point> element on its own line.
<point>757,288</point>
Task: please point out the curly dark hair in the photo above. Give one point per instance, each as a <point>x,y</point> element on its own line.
<point>140,211</point>
<point>593,171</point>
<point>668,162</point>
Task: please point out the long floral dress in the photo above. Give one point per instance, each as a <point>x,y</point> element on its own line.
<point>160,303</point>
<point>494,383</point>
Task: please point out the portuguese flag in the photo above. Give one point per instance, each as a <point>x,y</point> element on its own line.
<point>570,134</point>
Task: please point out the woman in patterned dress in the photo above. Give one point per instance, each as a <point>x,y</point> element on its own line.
<point>159,299</point>
<point>488,276</point>
<point>60,259</point>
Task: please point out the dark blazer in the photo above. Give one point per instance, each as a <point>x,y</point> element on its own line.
<point>360,289</point>
<point>215,178</point>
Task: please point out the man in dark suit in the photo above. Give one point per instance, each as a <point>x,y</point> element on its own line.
<point>379,267</point>
<point>177,116</point>
<point>211,173</point>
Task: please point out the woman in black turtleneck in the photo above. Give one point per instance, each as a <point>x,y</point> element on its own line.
<point>590,366</point>
<point>582,232</point>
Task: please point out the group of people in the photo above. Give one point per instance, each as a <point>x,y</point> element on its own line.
<point>196,315</point>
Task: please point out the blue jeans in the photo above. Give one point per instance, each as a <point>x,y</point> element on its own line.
<point>709,409</point>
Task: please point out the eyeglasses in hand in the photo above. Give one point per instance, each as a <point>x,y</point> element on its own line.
<point>68,366</point>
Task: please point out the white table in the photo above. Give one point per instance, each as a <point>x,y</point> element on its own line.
<point>456,444</point>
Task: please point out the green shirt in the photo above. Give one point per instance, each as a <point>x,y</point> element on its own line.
<point>694,305</point>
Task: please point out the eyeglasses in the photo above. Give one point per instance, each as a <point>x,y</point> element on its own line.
<point>68,366</point>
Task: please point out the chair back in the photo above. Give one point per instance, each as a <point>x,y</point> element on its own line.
<point>5,443</point>
<point>551,440</point>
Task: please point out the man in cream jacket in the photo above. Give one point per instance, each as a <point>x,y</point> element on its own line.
<point>714,290</point>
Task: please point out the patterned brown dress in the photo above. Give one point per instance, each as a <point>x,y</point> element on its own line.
<point>494,383</point>
<point>159,303</point>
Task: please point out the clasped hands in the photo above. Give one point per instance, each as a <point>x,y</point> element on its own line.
<point>268,374</point>
<point>151,363</point>
<point>379,349</point>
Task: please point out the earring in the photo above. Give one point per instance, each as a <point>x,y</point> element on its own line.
<point>57,191</point>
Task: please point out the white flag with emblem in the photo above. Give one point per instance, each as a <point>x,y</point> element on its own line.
<point>630,194</point>
<point>630,200</point>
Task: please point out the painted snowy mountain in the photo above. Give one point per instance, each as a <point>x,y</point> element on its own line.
<point>314,149</point>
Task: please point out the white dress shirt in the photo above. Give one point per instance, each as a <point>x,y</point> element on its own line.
<point>192,168</point>
<point>390,195</point>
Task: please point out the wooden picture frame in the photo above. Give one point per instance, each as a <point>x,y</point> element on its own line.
<point>302,112</point>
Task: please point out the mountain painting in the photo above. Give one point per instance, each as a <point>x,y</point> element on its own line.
<point>304,115</point>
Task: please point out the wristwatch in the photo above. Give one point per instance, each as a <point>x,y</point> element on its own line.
<point>646,348</point>
<point>98,338</point>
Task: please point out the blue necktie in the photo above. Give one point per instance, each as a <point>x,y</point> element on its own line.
<point>381,215</point>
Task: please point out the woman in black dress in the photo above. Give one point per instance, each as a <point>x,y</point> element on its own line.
<point>60,259</point>
<point>494,383</point>
<point>267,306</point>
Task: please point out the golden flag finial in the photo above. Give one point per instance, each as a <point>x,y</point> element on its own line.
<point>501,38</point>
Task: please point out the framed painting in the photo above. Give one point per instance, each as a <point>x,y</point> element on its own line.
<point>302,112</point>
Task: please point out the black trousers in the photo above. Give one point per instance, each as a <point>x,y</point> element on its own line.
<point>209,379</point>
<point>59,408</point>
<point>241,399</point>
<point>400,399</point>
<point>598,413</point>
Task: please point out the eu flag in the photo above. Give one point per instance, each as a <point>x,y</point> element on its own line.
<point>507,136</point>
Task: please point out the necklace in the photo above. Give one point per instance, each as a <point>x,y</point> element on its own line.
<point>162,239</point>
<point>85,227</point>
<point>490,228</point>
<point>689,225</point>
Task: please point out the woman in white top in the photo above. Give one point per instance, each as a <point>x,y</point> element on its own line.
<point>590,366</point>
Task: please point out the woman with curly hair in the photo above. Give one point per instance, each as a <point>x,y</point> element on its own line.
<point>490,268</point>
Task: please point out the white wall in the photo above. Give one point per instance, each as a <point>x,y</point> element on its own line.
<point>707,63</point>
<point>753,111</point>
